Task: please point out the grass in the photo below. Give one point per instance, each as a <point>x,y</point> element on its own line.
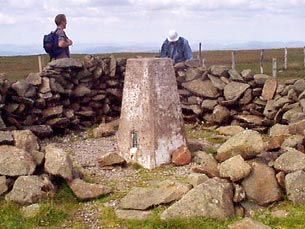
<point>18,67</point>
<point>53,212</point>
<point>60,211</point>
<point>203,133</point>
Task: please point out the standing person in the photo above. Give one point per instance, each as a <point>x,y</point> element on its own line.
<point>63,41</point>
<point>176,48</point>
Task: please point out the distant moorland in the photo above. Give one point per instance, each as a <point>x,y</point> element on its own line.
<point>18,67</point>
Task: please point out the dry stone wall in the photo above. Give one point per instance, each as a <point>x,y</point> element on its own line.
<point>73,94</point>
<point>68,93</point>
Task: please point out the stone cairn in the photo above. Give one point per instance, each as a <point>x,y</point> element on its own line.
<point>70,94</point>
<point>66,94</point>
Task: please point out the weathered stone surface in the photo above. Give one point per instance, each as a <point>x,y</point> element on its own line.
<point>52,112</point>
<point>207,164</point>
<point>299,86</point>
<point>29,190</point>
<point>247,144</point>
<point>58,122</point>
<point>87,191</point>
<point>2,124</point>
<point>261,185</point>
<point>3,185</point>
<point>234,168</point>
<point>250,119</point>
<point>41,131</point>
<point>25,139</point>
<point>234,90</point>
<point>230,130</point>
<point>66,63</point>
<point>15,161</point>
<point>293,141</point>
<point>34,79</point>
<point>6,138</point>
<point>103,130</point>
<point>197,178</point>
<point>297,127</point>
<point>45,85</point>
<point>133,214</point>
<point>247,97</point>
<point>192,73</point>
<point>247,74</point>
<point>269,89</point>
<point>248,223</point>
<point>81,91</point>
<point>143,198</point>
<point>295,187</point>
<point>290,161</point>
<point>195,144</point>
<point>151,122</point>
<point>21,87</point>
<point>293,115</point>
<point>221,114</point>
<point>58,162</point>
<point>202,88</point>
<point>193,63</point>
<point>217,82</point>
<point>110,159</point>
<point>239,193</point>
<point>275,142</point>
<point>181,156</point>
<point>219,70</point>
<point>211,199</point>
<point>208,104</point>
<point>260,79</point>
<point>279,129</point>
<point>112,66</point>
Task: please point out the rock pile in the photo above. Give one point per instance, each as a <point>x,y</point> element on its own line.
<point>66,94</point>
<point>74,94</point>
<point>219,95</point>
<point>28,173</point>
<point>219,186</point>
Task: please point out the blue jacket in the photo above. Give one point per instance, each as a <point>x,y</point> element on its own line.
<point>179,51</point>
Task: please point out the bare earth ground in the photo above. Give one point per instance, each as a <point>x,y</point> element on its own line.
<point>84,152</point>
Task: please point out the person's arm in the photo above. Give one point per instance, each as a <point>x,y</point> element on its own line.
<point>63,40</point>
<point>187,51</point>
<point>65,43</point>
<point>164,50</point>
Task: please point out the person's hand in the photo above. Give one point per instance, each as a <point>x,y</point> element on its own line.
<point>70,42</point>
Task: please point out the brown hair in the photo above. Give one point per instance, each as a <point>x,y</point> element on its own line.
<point>59,19</point>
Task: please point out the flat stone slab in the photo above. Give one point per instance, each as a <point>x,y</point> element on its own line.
<point>143,198</point>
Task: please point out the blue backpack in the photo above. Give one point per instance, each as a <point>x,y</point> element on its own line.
<point>50,44</point>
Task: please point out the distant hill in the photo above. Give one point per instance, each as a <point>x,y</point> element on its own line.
<point>16,50</point>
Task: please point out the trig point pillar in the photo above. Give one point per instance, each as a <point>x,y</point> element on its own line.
<point>151,123</point>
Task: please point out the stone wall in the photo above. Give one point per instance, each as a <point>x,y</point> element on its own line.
<point>73,94</point>
<point>67,94</point>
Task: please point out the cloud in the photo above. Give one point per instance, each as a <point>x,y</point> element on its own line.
<point>7,19</point>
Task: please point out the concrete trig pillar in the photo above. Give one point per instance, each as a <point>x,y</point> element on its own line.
<point>151,123</point>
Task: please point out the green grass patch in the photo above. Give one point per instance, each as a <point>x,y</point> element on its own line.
<point>295,218</point>
<point>53,211</point>
<point>200,132</point>
<point>18,67</point>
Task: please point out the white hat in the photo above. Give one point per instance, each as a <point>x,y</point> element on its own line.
<point>172,36</point>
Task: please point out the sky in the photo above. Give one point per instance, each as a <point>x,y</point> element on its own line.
<point>147,22</point>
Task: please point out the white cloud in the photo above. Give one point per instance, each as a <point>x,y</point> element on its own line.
<point>7,19</point>
<point>149,20</point>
